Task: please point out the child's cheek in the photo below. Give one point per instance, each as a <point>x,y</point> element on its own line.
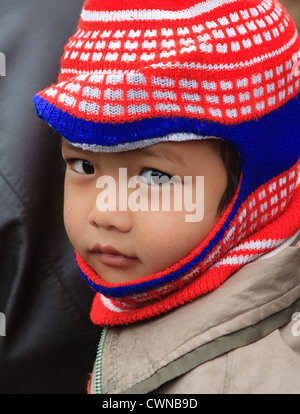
<point>68,220</point>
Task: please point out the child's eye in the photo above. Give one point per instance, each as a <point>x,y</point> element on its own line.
<point>81,166</point>
<point>155,177</point>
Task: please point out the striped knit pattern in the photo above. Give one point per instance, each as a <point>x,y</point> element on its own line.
<point>140,72</point>
<point>224,61</point>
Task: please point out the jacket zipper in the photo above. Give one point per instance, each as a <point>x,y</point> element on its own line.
<point>98,370</point>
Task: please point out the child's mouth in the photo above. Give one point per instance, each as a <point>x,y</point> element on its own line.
<point>112,257</point>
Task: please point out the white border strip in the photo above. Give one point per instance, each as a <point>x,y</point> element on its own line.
<point>178,137</point>
<point>123,15</point>
<point>287,243</point>
<point>109,305</point>
<point>241,259</point>
<point>259,245</point>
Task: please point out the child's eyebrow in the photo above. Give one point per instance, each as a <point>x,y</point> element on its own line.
<point>163,153</point>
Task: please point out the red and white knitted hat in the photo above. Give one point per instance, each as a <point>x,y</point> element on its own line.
<point>140,72</point>
<point>226,61</point>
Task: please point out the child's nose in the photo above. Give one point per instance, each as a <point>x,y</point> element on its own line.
<point>119,220</point>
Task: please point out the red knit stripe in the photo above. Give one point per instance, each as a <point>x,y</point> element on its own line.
<point>237,66</point>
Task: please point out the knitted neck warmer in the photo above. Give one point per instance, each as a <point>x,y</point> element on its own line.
<point>137,72</point>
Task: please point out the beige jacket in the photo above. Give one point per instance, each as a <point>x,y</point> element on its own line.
<point>239,338</point>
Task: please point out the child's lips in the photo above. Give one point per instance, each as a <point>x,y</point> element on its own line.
<point>110,256</point>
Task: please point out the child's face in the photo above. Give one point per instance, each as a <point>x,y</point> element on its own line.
<point>126,245</point>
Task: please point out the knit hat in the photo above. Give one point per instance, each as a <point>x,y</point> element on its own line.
<point>140,72</point>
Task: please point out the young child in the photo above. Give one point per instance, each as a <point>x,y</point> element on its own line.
<point>149,99</point>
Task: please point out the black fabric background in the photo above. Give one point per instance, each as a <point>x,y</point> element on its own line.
<point>50,343</point>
